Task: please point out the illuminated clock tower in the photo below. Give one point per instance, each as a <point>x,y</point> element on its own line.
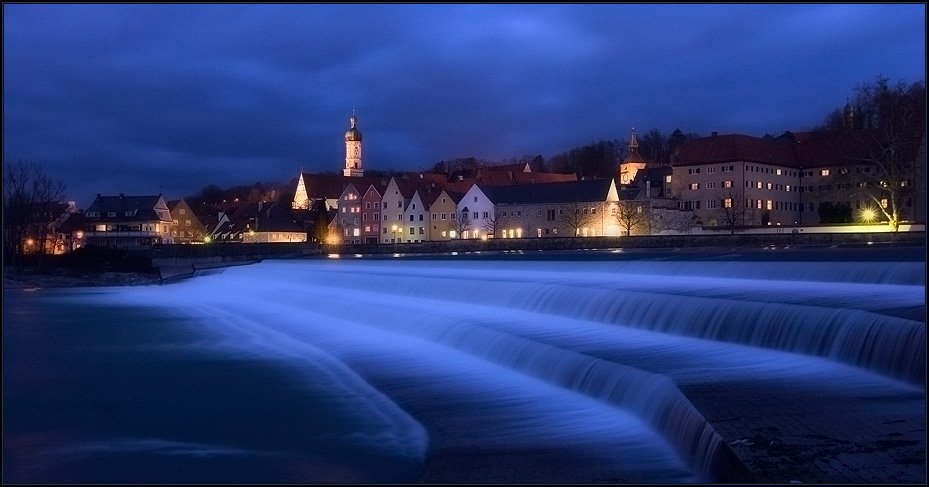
<point>632,163</point>
<point>353,150</point>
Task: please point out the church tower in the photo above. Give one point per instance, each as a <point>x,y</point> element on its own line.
<point>353,150</point>
<point>632,163</point>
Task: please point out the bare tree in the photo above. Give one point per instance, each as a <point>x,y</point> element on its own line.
<point>495,222</point>
<point>47,194</point>
<point>574,216</point>
<point>460,223</point>
<point>632,215</point>
<point>733,206</point>
<point>28,197</point>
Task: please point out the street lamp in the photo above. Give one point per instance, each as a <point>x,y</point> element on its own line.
<point>868,215</point>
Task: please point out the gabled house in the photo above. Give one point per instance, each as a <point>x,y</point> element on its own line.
<point>371,214</point>
<point>187,226</point>
<point>350,214</point>
<point>128,222</point>
<point>403,212</point>
<point>443,210</point>
<point>475,213</point>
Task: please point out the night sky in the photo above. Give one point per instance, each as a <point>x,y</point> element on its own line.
<point>147,99</point>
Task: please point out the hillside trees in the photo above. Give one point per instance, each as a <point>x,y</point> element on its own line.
<point>597,160</point>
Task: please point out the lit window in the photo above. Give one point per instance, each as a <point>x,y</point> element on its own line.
<point>824,172</point>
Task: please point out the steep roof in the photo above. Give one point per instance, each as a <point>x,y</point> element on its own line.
<point>563,192</point>
<point>261,217</point>
<point>141,207</point>
<point>738,147</point>
<point>330,186</point>
<point>803,150</point>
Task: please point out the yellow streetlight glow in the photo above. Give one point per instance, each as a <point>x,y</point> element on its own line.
<point>868,215</point>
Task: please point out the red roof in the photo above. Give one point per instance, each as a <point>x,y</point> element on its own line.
<point>804,150</point>
<point>737,147</point>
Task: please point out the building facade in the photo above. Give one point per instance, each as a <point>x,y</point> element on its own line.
<point>128,222</point>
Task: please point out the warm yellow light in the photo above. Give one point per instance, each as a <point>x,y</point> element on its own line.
<point>868,215</point>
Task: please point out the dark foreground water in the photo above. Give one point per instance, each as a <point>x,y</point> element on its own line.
<point>357,370</point>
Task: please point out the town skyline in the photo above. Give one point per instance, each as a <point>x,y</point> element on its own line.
<point>134,99</point>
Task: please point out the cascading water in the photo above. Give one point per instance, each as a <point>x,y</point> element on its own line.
<point>582,358</point>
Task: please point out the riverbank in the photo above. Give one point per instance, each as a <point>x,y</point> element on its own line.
<point>27,279</point>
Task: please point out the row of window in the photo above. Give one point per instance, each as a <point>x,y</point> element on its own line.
<point>103,227</point>
<point>749,203</point>
<point>771,170</point>
<point>772,186</point>
<point>779,172</point>
<point>709,170</point>
<point>111,214</point>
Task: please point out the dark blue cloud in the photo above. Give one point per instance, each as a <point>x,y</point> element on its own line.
<point>148,98</point>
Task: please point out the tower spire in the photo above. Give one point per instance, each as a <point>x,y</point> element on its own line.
<point>353,149</point>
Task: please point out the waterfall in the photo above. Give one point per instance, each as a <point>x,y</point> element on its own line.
<point>833,319</point>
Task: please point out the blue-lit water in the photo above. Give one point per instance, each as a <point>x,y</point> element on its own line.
<point>354,370</point>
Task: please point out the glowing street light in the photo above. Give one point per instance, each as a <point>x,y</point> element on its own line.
<point>868,215</point>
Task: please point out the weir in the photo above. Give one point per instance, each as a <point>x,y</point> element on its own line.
<point>810,315</point>
<point>631,335</point>
<point>818,316</point>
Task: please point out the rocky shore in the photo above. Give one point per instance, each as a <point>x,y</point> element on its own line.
<point>58,278</point>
